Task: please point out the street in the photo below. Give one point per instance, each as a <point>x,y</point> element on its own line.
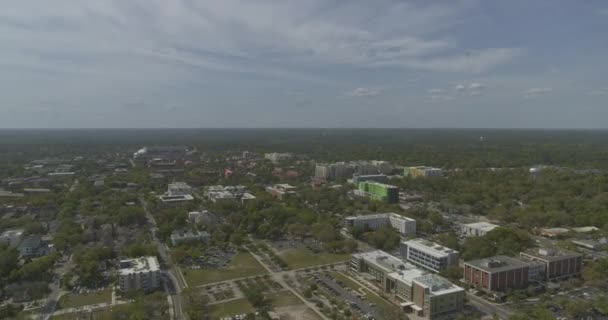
<point>171,278</point>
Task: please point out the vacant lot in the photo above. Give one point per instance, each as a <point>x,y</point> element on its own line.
<point>77,300</point>
<point>301,257</point>
<point>240,306</point>
<point>97,314</point>
<point>242,265</point>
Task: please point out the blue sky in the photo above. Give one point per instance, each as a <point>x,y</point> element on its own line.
<point>312,63</point>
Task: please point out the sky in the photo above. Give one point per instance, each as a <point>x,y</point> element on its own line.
<point>304,63</point>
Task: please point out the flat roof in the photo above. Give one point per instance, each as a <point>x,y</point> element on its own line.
<point>551,254</point>
<point>429,246</point>
<point>383,260</point>
<point>486,226</point>
<point>437,285</point>
<point>497,264</point>
<point>380,215</point>
<point>141,264</point>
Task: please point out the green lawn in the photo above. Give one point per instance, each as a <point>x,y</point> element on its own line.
<point>242,265</point>
<point>77,300</point>
<point>302,257</point>
<point>231,308</point>
<point>98,314</point>
<point>385,306</point>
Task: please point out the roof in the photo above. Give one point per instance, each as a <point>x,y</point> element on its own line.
<point>437,285</point>
<point>430,247</point>
<point>551,254</point>
<point>485,226</point>
<point>497,264</point>
<point>383,260</point>
<point>141,264</point>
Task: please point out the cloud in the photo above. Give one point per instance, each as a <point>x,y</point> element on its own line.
<point>435,91</point>
<point>603,12</point>
<point>471,89</point>
<point>534,92</point>
<point>265,37</point>
<point>598,92</point>
<point>364,92</point>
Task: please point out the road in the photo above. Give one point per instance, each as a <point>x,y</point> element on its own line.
<point>56,291</point>
<point>172,279</point>
<point>487,307</point>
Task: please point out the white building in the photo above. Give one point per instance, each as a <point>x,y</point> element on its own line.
<point>428,255</point>
<point>141,273</point>
<point>11,238</point>
<point>229,193</point>
<point>277,157</point>
<point>477,229</point>
<point>404,225</point>
<point>178,189</point>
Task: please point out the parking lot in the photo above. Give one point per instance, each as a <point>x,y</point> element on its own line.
<point>338,289</point>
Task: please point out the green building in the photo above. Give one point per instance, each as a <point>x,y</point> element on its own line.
<point>379,191</point>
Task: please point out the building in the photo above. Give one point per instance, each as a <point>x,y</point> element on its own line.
<point>558,263</point>
<point>404,225</point>
<point>434,297</point>
<point>31,246</point>
<point>281,191</point>
<point>477,229</point>
<point>11,238</point>
<point>370,177</point>
<point>278,157</point>
<point>428,255</point>
<point>228,193</point>
<point>177,192</point>
<point>178,237</point>
<point>378,191</point>
<point>178,189</point>
<point>497,274</point>
<point>141,273</point>
<point>204,216</point>
<point>422,295</point>
<point>421,171</point>
<point>333,172</point>
<point>553,232</point>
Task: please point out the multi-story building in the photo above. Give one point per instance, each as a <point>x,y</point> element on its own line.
<point>497,274</point>
<point>11,238</point>
<point>178,189</point>
<point>177,192</point>
<point>370,177</point>
<point>141,273</point>
<point>477,229</point>
<point>422,295</point>
<point>404,225</point>
<point>228,193</point>
<point>281,191</point>
<point>557,263</point>
<point>422,171</point>
<point>278,157</point>
<point>334,171</point>
<point>428,255</point>
<point>378,191</point>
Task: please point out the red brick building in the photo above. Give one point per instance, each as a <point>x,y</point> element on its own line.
<point>559,263</point>
<point>497,274</point>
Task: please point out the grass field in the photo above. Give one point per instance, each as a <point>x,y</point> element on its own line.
<point>302,257</point>
<point>231,308</point>
<point>385,307</point>
<point>77,300</point>
<point>242,265</point>
<point>98,314</point>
